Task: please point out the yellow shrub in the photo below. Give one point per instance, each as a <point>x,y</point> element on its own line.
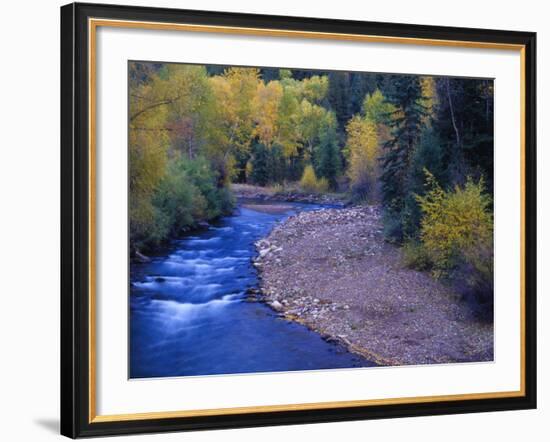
<point>310,183</point>
<point>457,226</point>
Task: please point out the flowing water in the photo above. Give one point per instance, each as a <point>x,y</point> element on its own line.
<point>189,314</point>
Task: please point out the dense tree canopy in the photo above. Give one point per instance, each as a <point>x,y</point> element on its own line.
<point>195,129</point>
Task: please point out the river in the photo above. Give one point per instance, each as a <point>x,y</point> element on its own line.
<point>189,315</point>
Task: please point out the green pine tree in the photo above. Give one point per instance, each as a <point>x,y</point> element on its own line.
<point>327,154</point>
<point>406,127</point>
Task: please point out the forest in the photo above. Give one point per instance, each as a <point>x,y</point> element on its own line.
<point>420,147</point>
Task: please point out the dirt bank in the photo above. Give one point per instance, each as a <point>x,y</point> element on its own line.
<point>332,271</point>
<point>286,194</point>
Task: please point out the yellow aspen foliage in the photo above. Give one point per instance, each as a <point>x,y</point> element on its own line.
<point>457,225</point>
<point>376,108</point>
<point>235,91</point>
<point>288,134</point>
<point>148,143</point>
<point>148,157</point>
<point>362,152</point>
<point>233,121</point>
<point>266,105</point>
<point>315,88</point>
<point>311,118</point>
<point>365,135</point>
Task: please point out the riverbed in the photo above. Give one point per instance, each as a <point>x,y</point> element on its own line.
<point>190,316</point>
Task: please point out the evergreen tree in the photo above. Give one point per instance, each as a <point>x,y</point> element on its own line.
<point>327,154</point>
<point>215,69</point>
<point>427,156</point>
<point>269,165</point>
<point>406,127</point>
<point>300,74</point>
<point>464,120</point>
<point>361,84</point>
<point>386,84</point>
<point>269,74</point>
<point>277,164</point>
<point>339,97</point>
<point>260,166</point>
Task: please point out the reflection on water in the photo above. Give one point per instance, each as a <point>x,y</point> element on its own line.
<point>189,316</point>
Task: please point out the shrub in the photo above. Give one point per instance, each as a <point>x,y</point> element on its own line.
<point>457,229</point>
<point>148,226</point>
<point>201,176</point>
<point>188,193</point>
<point>310,183</point>
<point>226,201</point>
<point>177,201</point>
<point>416,256</point>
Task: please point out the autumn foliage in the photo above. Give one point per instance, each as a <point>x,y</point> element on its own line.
<point>363,151</point>
<point>457,229</point>
<point>193,130</point>
<point>310,183</point>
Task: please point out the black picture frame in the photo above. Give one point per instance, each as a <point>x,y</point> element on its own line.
<point>75,221</point>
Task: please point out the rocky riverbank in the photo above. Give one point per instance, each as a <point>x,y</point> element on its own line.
<point>332,271</point>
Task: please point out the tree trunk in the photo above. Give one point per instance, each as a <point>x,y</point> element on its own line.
<point>447,83</point>
<point>457,168</point>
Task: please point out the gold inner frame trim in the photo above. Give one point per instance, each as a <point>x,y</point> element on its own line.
<point>93,24</point>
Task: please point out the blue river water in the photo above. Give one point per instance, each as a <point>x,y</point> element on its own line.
<point>189,315</point>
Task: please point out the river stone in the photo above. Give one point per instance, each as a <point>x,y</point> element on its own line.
<point>263,252</point>
<point>262,244</point>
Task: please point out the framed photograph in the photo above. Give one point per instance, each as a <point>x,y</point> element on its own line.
<point>275,220</point>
